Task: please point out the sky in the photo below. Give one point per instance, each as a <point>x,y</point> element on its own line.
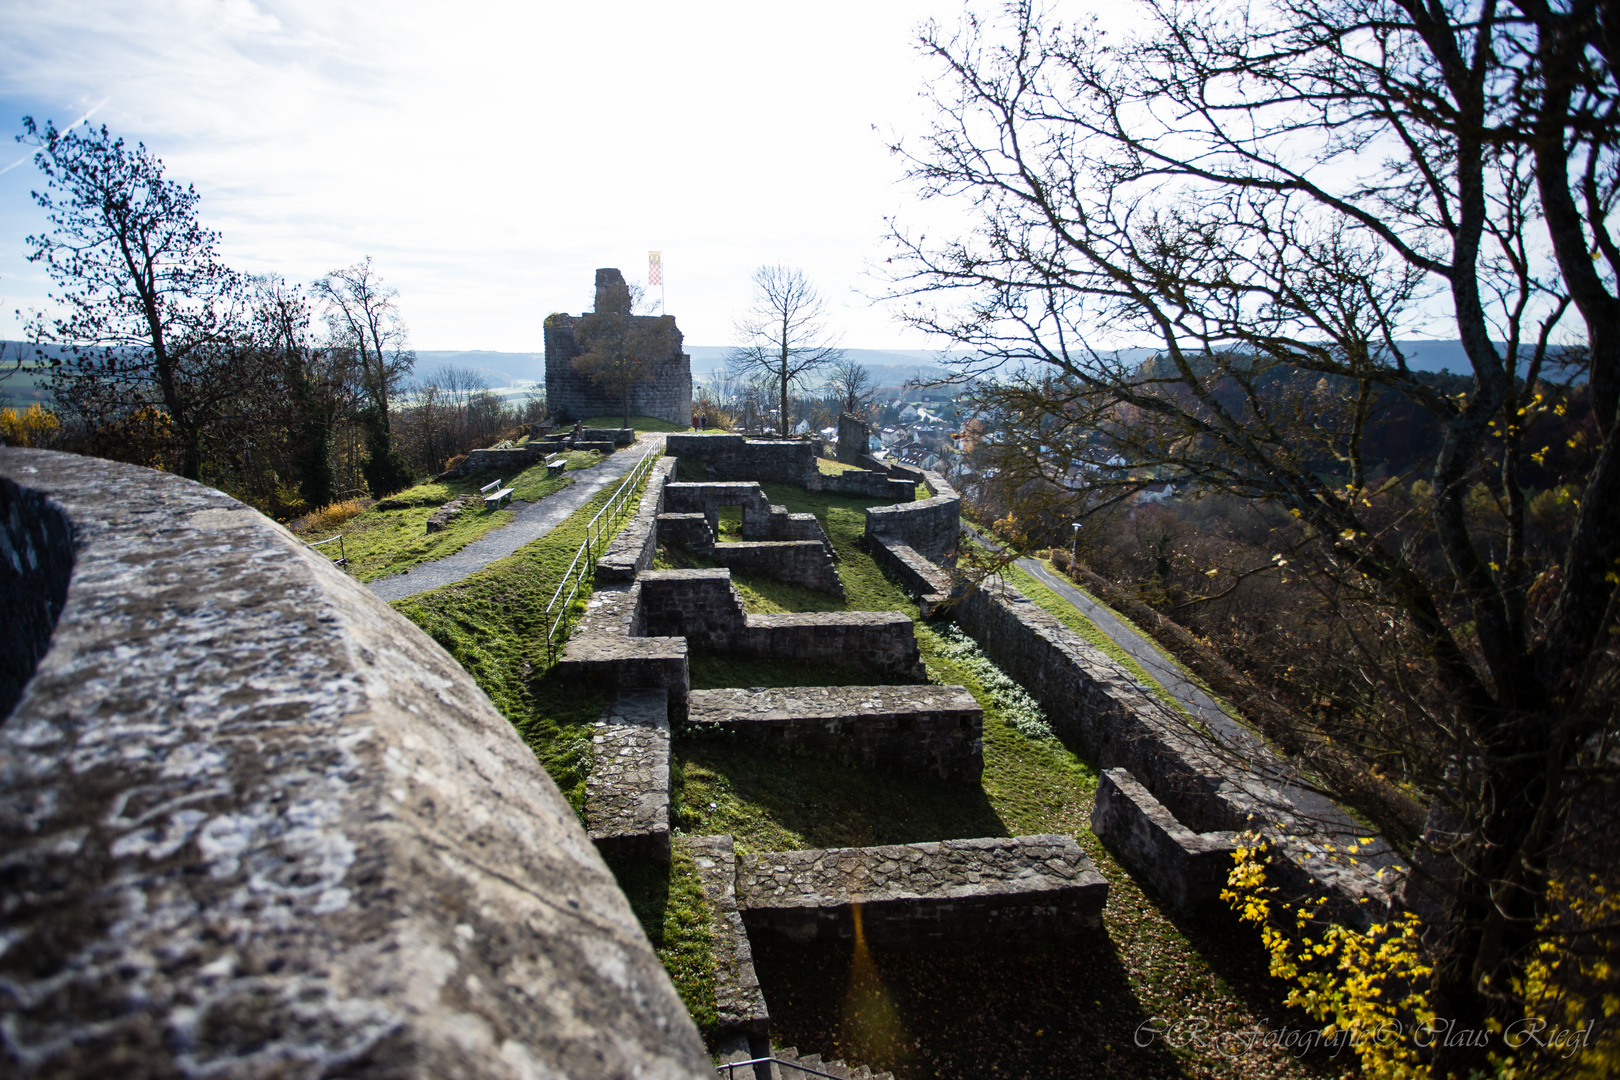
<point>489,157</point>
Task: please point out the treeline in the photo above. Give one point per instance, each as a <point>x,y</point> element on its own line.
<point>156,353</point>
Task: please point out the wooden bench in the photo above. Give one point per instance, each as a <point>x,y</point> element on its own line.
<point>555,467</point>
<point>492,497</point>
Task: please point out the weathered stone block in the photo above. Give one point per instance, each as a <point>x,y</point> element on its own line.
<point>1006,890</point>
<point>1186,868</point>
<point>708,498</point>
<point>255,823</point>
<point>937,730</point>
<point>737,996</point>
<point>627,791</point>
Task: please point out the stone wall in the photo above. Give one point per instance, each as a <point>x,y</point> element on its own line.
<point>708,498</point>
<point>627,790</point>
<point>868,484</point>
<point>634,549</point>
<point>935,730</point>
<point>1104,714</point>
<point>854,439</point>
<point>928,580</point>
<point>571,395</point>
<point>734,457</point>
<point>931,527</point>
<point>1006,891</point>
<point>256,823</point>
<point>701,607</point>
<point>1188,869</point>
<point>797,562</point>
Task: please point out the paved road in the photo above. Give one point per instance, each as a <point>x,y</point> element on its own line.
<point>533,521</point>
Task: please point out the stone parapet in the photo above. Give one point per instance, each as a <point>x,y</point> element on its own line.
<point>936,730</point>
<point>690,531</point>
<point>627,790</point>
<point>256,823</point>
<point>633,550</point>
<point>1026,889</point>
<point>737,996</point>
<point>868,484</point>
<point>1186,868</point>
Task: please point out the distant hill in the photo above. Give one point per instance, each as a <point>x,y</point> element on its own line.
<point>498,368</point>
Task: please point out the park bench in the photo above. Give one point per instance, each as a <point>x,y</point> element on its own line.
<point>493,497</point>
<point>555,466</point>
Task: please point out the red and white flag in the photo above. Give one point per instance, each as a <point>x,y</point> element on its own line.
<point>655,267</point>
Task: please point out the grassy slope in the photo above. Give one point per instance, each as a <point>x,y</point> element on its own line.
<point>493,624</point>
<point>1147,965</point>
<point>381,542</point>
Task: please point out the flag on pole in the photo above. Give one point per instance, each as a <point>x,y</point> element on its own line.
<point>655,267</point>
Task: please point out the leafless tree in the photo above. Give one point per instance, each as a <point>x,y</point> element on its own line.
<point>1272,198</point>
<point>784,334</point>
<point>850,386</point>
<point>362,316</point>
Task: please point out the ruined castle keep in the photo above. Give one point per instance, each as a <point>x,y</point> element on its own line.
<point>666,394</point>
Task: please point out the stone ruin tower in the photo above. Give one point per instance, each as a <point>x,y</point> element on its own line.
<point>570,393</point>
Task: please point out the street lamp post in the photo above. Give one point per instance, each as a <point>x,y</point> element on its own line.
<point>1074,549</point>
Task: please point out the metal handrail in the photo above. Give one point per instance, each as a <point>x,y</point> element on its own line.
<point>732,1066</point>
<point>343,558</point>
<point>597,530</point>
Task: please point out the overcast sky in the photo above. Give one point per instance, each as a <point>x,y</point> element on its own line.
<point>491,156</point>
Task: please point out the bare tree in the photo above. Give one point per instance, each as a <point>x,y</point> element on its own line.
<point>850,387</point>
<point>784,334</point>
<point>363,322</point>
<point>1270,198</point>
<point>363,317</point>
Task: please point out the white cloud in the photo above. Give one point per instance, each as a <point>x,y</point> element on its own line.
<point>491,156</point>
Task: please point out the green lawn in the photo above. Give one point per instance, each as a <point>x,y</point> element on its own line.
<point>392,536</point>
<point>640,423</point>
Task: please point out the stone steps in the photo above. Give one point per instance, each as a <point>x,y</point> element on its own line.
<point>937,730</point>
<point>788,1056</point>
<point>627,791</point>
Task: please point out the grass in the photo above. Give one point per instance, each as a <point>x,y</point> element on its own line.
<point>640,423</point>
<point>672,908</point>
<point>392,535</point>
<point>1061,1010</point>
<point>829,467</point>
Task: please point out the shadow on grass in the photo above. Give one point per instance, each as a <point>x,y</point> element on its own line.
<point>1054,1010</point>
<point>772,798</point>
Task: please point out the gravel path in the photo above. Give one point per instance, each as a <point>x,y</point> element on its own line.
<point>533,521</point>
